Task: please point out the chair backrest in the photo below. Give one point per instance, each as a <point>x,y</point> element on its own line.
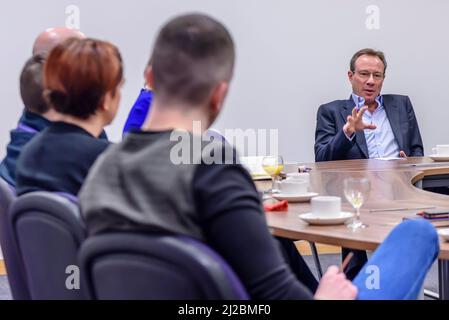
<point>11,255</point>
<point>125,266</point>
<point>49,232</point>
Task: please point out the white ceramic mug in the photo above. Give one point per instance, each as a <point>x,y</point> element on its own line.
<point>294,187</point>
<point>326,207</point>
<point>291,167</point>
<point>441,150</point>
<point>299,176</point>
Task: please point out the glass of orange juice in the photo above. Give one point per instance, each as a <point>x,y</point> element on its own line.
<point>273,166</point>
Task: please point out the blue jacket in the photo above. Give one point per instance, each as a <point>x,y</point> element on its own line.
<point>29,125</point>
<point>139,111</point>
<point>332,144</point>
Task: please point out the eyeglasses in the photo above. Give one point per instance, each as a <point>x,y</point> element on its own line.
<point>366,75</point>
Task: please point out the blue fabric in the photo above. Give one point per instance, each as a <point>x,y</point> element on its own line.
<point>139,111</point>
<point>402,262</point>
<point>381,142</point>
<point>332,144</point>
<point>19,138</point>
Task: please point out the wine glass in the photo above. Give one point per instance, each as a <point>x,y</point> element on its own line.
<point>273,166</point>
<point>356,192</point>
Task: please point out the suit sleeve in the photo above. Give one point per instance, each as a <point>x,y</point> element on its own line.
<point>331,142</point>
<point>416,144</point>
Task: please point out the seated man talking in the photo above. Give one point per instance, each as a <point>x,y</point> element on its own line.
<point>368,125</point>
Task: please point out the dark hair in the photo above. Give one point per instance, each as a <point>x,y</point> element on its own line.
<point>79,73</point>
<point>368,52</point>
<point>192,54</point>
<point>31,85</point>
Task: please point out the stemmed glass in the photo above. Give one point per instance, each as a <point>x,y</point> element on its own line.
<point>273,166</point>
<point>356,192</point>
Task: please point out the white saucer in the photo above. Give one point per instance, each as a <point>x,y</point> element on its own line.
<point>444,233</point>
<point>438,158</point>
<point>320,221</point>
<point>295,198</point>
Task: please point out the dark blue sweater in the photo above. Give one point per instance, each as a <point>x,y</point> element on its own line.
<point>58,159</point>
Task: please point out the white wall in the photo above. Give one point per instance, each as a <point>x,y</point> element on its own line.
<point>292,56</point>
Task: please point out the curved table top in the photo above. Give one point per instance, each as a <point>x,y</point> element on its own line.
<point>392,186</point>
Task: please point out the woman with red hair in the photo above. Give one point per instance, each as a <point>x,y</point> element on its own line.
<point>82,80</point>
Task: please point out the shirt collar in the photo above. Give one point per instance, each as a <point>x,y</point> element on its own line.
<point>34,121</point>
<point>360,101</point>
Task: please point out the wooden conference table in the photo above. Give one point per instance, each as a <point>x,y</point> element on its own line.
<point>392,187</point>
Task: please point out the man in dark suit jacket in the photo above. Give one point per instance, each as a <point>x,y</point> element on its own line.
<point>367,126</point>
<point>333,144</point>
<point>389,129</point>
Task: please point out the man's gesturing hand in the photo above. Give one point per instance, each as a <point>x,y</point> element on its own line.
<point>355,122</point>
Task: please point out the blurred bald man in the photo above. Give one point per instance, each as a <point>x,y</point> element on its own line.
<point>37,114</point>
<point>51,37</point>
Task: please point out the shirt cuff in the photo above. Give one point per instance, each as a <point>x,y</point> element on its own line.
<point>351,137</point>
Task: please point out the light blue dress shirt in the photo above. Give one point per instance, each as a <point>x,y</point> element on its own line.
<point>381,142</point>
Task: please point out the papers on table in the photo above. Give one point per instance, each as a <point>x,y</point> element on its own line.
<point>390,159</point>
<point>254,167</point>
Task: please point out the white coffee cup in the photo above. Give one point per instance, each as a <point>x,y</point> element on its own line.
<point>294,187</point>
<point>299,176</point>
<point>441,150</point>
<point>326,207</point>
<point>291,167</point>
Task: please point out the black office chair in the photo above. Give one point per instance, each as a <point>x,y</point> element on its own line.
<point>11,255</point>
<point>49,231</point>
<point>124,266</point>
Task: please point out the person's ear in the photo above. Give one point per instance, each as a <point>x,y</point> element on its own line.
<point>218,96</point>
<point>350,75</point>
<point>105,102</point>
<point>148,74</point>
<point>47,97</point>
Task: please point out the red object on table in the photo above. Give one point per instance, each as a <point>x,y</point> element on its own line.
<point>277,207</point>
